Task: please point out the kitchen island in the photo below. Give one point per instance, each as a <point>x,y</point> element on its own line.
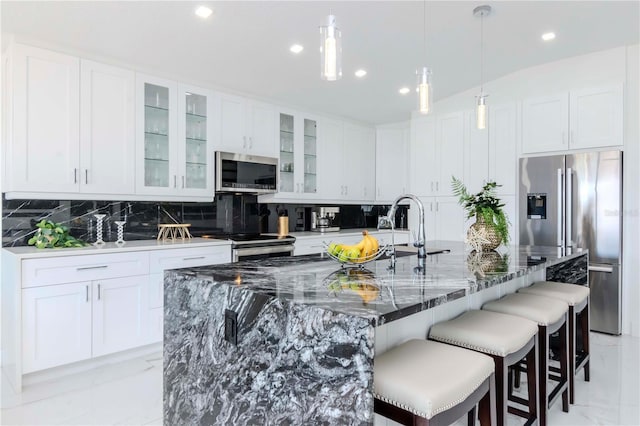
<point>291,340</point>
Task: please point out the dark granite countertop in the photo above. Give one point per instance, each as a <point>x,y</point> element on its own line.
<point>377,293</point>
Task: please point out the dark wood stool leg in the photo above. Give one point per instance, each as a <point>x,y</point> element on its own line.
<point>501,389</point>
<point>584,325</point>
<point>516,372</point>
<point>572,353</point>
<point>484,407</point>
<point>532,379</point>
<point>543,372</point>
<point>564,371</point>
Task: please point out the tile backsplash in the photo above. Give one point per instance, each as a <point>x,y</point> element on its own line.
<point>228,213</point>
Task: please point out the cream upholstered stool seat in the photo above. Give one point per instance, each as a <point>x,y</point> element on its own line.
<point>551,316</point>
<point>507,339</point>
<point>577,297</point>
<point>430,383</point>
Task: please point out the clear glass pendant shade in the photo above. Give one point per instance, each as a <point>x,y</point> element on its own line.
<point>424,90</point>
<point>330,51</point>
<point>481,112</point>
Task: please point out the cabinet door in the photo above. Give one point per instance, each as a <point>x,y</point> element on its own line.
<point>157,136</point>
<point>450,220</point>
<point>260,136</point>
<point>391,162</point>
<point>120,313</point>
<point>232,124</point>
<point>287,154</point>
<point>195,150</point>
<point>502,147</point>
<point>330,163</point>
<point>309,184</point>
<point>353,164</point>
<point>476,155</point>
<point>423,167</point>
<point>596,117</point>
<point>545,124</point>
<point>450,152</point>
<point>44,150</point>
<point>107,136</point>
<point>56,325</point>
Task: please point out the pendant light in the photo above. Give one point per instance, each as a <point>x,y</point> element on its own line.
<point>424,74</point>
<point>330,51</point>
<point>481,103</point>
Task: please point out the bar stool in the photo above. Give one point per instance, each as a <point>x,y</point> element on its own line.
<point>507,339</point>
<point>551,316</point>
<point>428,383</point>
<point>577,297</point>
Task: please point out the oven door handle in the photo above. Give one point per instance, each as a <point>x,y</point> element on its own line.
<point>253,251</point>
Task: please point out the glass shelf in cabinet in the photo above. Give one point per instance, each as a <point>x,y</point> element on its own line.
<point>286,171</point>
<point>190,114</point>
<point>289,132</point>
<point>195,139</point>
<point>156,107</point>
<point>196,163</point>
<point>286,151</point>
<point>156,133</point>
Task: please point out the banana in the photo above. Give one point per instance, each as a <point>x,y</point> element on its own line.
<point>375,245</point>
<point>367,247</point>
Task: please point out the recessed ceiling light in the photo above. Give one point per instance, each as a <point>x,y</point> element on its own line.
<point>296,48</point>
<point>548,36</point>
<point>361,73</point>
<point>203,12</point>
<point>404,91</point>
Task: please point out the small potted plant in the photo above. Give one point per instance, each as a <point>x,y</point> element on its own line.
<point>492,226</point>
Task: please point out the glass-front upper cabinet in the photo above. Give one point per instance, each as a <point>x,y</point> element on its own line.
<point>287,150</point>
<point>196,160</point>
<point>298,154</point>
<point>310,156</point>
<point>173,145</point>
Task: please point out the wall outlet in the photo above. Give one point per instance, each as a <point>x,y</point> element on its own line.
<point>231,326</point>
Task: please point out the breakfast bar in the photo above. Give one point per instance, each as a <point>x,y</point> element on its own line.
<point>291,340</point>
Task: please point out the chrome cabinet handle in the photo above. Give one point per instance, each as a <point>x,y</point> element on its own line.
<point>437,186</point>
<point>596,268</point>
<point>244,142</point>
<point>86,176</point>
<point>85,268</point>
<point>75,175</point>
<point>175,181</point>
<point>431,186</point>
<point>99,293</point>
<point>193,258</point>
<point>250,142</point>
<point>86,293</point>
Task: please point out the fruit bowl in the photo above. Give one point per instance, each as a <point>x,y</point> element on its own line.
<point>355,280</point>
<point>359,261</point>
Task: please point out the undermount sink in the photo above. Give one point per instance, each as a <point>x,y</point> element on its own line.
<point>403,251</point>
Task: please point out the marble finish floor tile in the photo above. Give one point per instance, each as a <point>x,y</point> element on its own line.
<point>130,393</point>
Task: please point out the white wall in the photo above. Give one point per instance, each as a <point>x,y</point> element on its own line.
<point>593,70</point>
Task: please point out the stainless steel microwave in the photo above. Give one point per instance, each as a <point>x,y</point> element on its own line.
<point>246,173</point>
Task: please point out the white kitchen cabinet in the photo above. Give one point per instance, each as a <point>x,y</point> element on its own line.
<point>43,151</point>
<point>247,127</point>
<point>358,167</point>
<point>503,139</point>
<point>596,117</point>
<point>330,161</point>
<point>120,314</point>
<point>444,219</point>
<point>450,151</point>
<point>173,145</point>
<point>56,325</point>
<point>392,147</point>
<point>476,153</point>
<point>423,166</point>
<point>587,118</point>
<point>298,154</point>
<point>107,136</point>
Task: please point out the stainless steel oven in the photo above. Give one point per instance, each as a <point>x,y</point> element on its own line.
<point>262,252</point>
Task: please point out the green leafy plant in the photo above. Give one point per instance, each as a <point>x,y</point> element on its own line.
<point>485,205</point>
<point>52,235</point>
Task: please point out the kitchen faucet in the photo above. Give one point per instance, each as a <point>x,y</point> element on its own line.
<point>420,241</point>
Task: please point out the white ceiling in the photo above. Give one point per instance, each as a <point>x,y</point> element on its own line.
<point>244,46</point>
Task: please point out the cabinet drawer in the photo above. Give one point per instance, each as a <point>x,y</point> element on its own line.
<point>58,270</point>
<point>161,260</point>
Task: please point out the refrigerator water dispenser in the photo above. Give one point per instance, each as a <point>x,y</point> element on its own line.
<point>536,206</point>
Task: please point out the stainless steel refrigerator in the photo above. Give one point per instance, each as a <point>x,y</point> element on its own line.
<point>575,201</point>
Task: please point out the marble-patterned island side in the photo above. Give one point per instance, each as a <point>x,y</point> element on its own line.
<point>291,340</point>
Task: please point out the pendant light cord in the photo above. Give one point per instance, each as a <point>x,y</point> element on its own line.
<point>482,53</point>
<point>424,28</point>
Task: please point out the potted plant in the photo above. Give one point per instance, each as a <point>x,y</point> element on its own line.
<point>492,226</point>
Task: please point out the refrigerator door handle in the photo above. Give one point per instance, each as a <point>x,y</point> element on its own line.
<point>560,210</point>
<point>601,268</point>
<point>569,206</point>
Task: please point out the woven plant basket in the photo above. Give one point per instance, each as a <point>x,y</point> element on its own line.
<point>492,234</point>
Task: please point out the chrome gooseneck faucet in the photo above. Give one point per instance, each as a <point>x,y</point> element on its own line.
<point>420,241</point>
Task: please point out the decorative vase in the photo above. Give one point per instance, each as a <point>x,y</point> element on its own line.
<point>490,239</point>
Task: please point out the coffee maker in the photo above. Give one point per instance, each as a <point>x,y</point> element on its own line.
<point>324,219</point>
